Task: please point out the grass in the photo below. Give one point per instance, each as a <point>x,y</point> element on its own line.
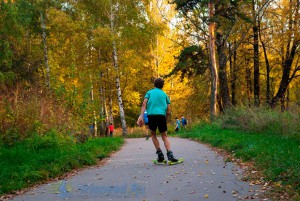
<point>40,158</point>
<point>277,156</point>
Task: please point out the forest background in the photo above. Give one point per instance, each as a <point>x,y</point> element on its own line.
<point>72,67</point>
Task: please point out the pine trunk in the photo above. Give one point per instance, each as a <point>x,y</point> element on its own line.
<point>233,76</point>
<point>255,58</point>
<point>223,80</point>
<point>103,111</point>
<point>213,65</point>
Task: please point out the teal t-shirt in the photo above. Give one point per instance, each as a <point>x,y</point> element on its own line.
<point>158,102</point>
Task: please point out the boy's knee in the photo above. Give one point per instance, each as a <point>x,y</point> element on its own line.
<point>164,134</point>
<point>153,133</point>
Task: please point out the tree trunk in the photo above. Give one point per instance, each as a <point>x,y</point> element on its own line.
<point>255,58</point>
<point>44,39</point>
<point>223,80</point>
<point>120,100</point>
<point>268,70</point>
<point>115,63</point>
<point>94,112</point>
<point>248,84</point>
<point>233,76</point>
<point>285,79</point>
<point>110,118</point>
<point>103,111</point>
<point>213,65</point>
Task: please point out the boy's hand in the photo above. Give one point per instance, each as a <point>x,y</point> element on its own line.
<point>140,121</point>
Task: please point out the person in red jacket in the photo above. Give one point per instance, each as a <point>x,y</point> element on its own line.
<point>111,129</point>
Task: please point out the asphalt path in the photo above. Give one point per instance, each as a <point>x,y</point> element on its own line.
<point>129,174</point>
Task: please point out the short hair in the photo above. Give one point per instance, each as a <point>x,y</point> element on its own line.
<point>159,83</point>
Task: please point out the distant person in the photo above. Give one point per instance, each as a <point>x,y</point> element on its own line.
<point>146,124</point>
<point>111,129</point>
<point>183,121</point>
<point>157,103</point>
<point>177,124</point>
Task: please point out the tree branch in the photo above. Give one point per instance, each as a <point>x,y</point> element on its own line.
<point>294,74</point>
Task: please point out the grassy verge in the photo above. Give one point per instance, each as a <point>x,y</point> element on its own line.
<point>41,158</point>
<point>277,156</point>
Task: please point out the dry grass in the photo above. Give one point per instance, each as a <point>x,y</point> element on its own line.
<point>28,111</point>
<point>132,132</point>
<point>263,120</point>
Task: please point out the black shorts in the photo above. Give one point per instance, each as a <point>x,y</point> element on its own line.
<point>159,121</point>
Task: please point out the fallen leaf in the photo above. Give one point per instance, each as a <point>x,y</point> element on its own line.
<point>206,195</point>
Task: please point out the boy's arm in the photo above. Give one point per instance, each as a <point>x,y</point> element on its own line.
<point>168,112</point>
<point>140,120</point>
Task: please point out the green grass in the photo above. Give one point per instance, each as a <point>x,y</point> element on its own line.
<point>277,156</point>
<point>40,158</point>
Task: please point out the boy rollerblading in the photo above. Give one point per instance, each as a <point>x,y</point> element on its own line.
<point>157,103</point>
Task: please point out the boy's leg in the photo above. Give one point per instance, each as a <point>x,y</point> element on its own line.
<point>166,140</point>
<point>155,140</point>
<point>160,155</point>
<point>168,147</point>
<point>147,132</point>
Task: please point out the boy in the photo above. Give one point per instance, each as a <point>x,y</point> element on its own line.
<point>157,103</point>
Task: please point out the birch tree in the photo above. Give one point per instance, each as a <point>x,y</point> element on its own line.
<point>45,48</point>
<point>113,10</point>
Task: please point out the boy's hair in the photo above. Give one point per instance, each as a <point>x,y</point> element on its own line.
<point>159,83</point>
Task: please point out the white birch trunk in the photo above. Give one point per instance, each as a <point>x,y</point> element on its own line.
<point>115,63</point>
<point>44,39</point>
<point>94,112</point>
<point>110,103</point>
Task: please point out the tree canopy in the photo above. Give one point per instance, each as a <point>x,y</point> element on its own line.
<point>97,59</point>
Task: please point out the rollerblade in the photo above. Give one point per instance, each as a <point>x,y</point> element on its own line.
<point>172,160</point>
<point>171,157</point>
<point>160,158</point>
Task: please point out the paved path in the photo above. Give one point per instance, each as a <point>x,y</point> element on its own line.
<point>130,175</point>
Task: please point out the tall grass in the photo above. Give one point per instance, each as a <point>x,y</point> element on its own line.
<point>25,112</point>
<point>263,120</point>
<point>40,158</point>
